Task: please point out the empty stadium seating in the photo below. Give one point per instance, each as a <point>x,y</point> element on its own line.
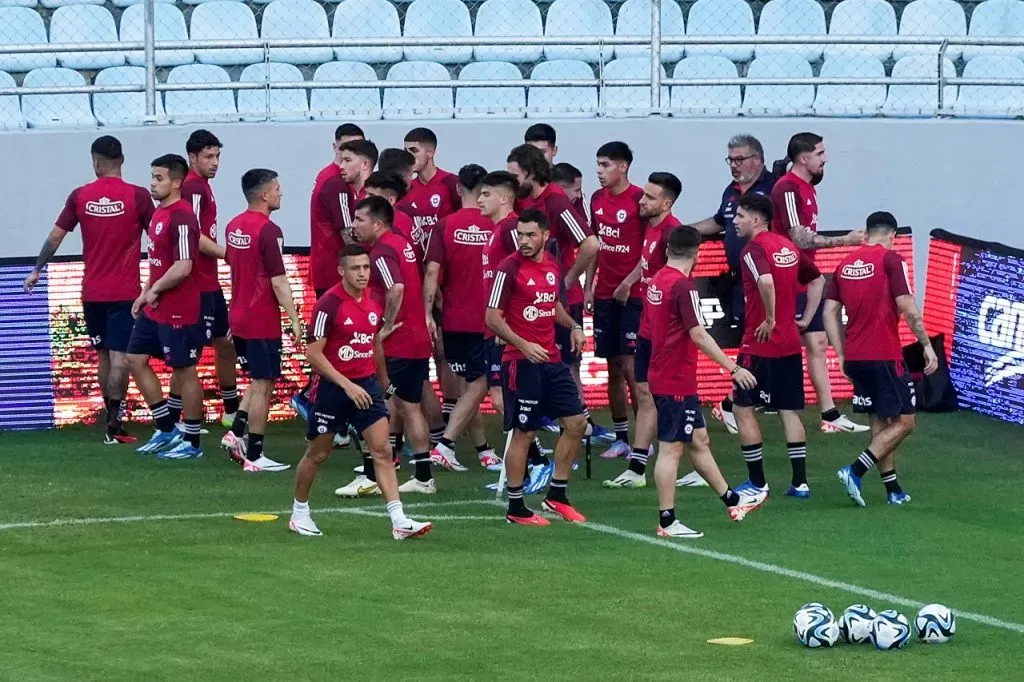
<point>509,18</point>
<point>190,106</point>
<point>918,100</point>
<point>352,103</point>
<point>56,111</point>
<point>779,100</point>
<point>705,100</point>
<point>561,101</point>
<point>504,102</point>
<point>122,108</point>
<point>630,100</point>
<point>367,19</point>
<point>11,117</point>
<point>273,104</point>
<point>634,20</point>
<point>850,100</point>
<point>168,24</point>
<point>410,103</point>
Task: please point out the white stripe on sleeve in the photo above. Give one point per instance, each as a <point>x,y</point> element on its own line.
<point>496,290</point>
<point>570,220</point>
<point>695,301</point>
<point>346,217</point>
<point>749,261</point>
<point>183,250</point>
<point>385,273</point>
<point>197,200</point>
<point>906,276</point>
<point>320,325</point>
<point>794,215</point>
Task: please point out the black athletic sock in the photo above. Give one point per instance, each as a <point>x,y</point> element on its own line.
<point>447,407</point>
<point>229,394</point>
<point>113,416</point>
<point>731,498</point>
<point>666,517</point>
<point>516,505</point>
<point>192,427</point>
<point>752,455</point>
<point>556,491</point>
<point>830,415</point>
<point>727,404</point>
<point>422,462</point>
<point>241,421</point>
<point>368,469</point>
<point>480,449</point>
<point>864,463</point>
<point>621,426</point>
<point>447,442</point>
<point>435,436</point>
<point>534,457</point>
<point>255,449</point>
<point>396,443</point>
<point>174,407</point>
<point>638,461</point>
<point>892,486</point>
<point>162,416</point>
<point>798,460</point>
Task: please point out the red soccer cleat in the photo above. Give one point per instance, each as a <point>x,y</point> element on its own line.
<point>531,520</point>
<point>563,509</point>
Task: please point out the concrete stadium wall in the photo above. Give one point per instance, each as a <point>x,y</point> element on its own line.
<point>931,174</point>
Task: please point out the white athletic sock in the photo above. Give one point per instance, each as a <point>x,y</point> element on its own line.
<point>300,508</point>
<point>396,513</point>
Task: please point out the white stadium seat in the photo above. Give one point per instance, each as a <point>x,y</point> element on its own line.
<point>189,106</point>
<point>996,19</point>
<point>169,24</point>
<point>11,117</point>
<point>21,26</point>
<point>122,108</point>
<point>16,3</point>
<point>634,19</point>
<point>201,2</point>
<point>862,18</point>
<point>721,18</point>
<point>367,19</point>
<point>438,19</point>
<point>918,100</point>
<point>578,18</point>
<point>54,4</point>
<point>56,111</point>
<point>705,100</point>
<point>225,20</point>
<point>417,103</point>
<point>350,103</point>
<point>630,100</point>
<point>130,3</point>
<point>850,100</point>
<point>779,100</point>
<point>791,18</point>
<point>931,18</point>
<point>1000,101</point>
<point>277,105</point>
<point>508,18</point>
<point>85,24</point>
<point>496,102</point>
<point>296,19</point>
<point>559,101</point>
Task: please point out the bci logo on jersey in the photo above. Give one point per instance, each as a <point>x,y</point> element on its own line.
<point>409,254</point>
<point>654,295</point>
<point>858,270</point>
<point>785,257</point>
<point>362,338</point>
<point>472,236</point>
<point>239,239</point>
<point>104,208</point>
<point>545,297</point>
<point>608,231</point>
<point>1001,325</point>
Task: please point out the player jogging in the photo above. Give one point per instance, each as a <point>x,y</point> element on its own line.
<point>259,289</point>
<point>167,315</point>
<point>773,271</point>
<point>113,214</point>
<point>345,350</point>
<point>522,310</point>
<point>873,284</point>
<point>677,331</point>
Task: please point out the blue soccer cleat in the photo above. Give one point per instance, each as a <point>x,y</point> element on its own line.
<point>540,476</point>
<point>160,441</point>
<point>549,425</point>
<point>749,488</point>
<point>802,491</point>
<point>598,432</point>
<point>183,450</point>
<point>300,405</point>
<point>898,498</point>
<point>852,484</point>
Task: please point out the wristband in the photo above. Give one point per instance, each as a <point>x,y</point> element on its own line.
<point>734,370</point>
<point>390,391</point>
<point>575,328</point>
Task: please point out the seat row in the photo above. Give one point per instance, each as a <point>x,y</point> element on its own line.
<point>120,109</point>
<point>297,19</point>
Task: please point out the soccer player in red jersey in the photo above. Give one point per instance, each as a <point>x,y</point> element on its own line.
<point>455,256</point>
<point>113,215</point>
<point>434,193</point>
<point>570,179</point>
<point>774,270</point>
<point>615,298</point>
<point>677,331</point>
<point>259,289</point>
<point>390,185</point>
<point>543,137</point>
<point>345,350</point>
<point>522,310</point>
<point>795,205</point>
<point>167,314</point>
<point>873,284</point>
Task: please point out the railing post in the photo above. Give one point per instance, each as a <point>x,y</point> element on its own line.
<point>149,38</point>
<point>656,56</point>
<point>942,78</point>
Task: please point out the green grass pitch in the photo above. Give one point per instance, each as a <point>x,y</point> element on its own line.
<point>212,598</point>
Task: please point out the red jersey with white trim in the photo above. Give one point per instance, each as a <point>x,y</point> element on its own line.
<point>674,306</point>
<point>173,236</point>
<point>794,202</point>
<point>253,246</point>
<point>868,282</point>
<point>430,201</point>
<point>503,242</point>
<point>196,190</point>
<point>618,226</point>
<point>527,293</point>
<point>457,244</point>
<point>393,261</point>
<point>113,214</point>
<point>350,326</point>
<point>330,219</point>
<point>653,258</point>
<point>772,254</point>
<point>413,233</point>
<point>568,228</point>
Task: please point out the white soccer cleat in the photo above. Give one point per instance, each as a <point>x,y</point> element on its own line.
<point>749,501</point>
<point>411,529</point>
<point>627,479</point>
<point>342,440</point>
<point>415,485</point>
<point>678,530</point>
<point>619,448</point>
<point>444,456</point>
<point>489,460</point>
<point>728,419</point>
<point>361,487</point>
<point>264,463</point>
<point>691,480</point>
<point>235,447</point>
<point>843,425</point>
<point>303,525</point>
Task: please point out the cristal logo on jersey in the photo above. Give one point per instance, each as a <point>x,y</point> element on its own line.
<point>409,254</point>
<point>1001,325</point>
<point>472,236</point>
<point>104,208</point>
<point>239,239</point>
<point>550,278</point>
<point>785,257</point>
<point>435,200</point>
<point>858,270</point>
<point>654,295</point>
<point>533,313</point>
<point>621,215</point>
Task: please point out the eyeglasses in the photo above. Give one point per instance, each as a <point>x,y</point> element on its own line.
<point>737,160</point>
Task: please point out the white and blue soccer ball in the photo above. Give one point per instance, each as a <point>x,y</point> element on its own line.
<point>935,624</point>
<point>890,630</point>
<point>815,626</point>
<point>855,624</point>
<point>816,606</point>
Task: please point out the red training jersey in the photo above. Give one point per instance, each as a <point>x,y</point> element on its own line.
<point>527,292</point>
<point>653,258</point>
<point>621,231</point>
<point>503,242</point>
<point>411,232</point>
<point>674,306</point>
<point>113,215</point>
<point>430,201</point>
<point>568,227</point>
<point>457,244</point>
<point>253,249</point>
<point>197,192</point>
<point>174,236</point>
<point>868,282</point>
<point>330,219</point>
<point>393,261</point>
<point>350,326</point>
<point>772,254</point>
<point>794,202</point>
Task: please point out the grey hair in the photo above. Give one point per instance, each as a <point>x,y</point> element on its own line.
<point>748,141</point>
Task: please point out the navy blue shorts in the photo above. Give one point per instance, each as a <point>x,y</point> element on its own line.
<point>881,387</point>
<point>495,372</point>
<point>214,312</point>
<point>467,353</point>
<point>780,382</point>
<point>179,346</point>
<point>109,324</point>
<point>333,411</point>
<point>615,327</point>
<point>563,336</point>
<point>259,358</point>
<point>818,321</point>
<point>678,417</point>
<point>533,391</point>
<point>407,376</point>
<point>642,361</point>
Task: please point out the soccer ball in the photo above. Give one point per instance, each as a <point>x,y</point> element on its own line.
<point>815,627</point>
<point>935,624</point>
<point>855,623</point>
<point>817,606</point>
<point>890,630</point>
